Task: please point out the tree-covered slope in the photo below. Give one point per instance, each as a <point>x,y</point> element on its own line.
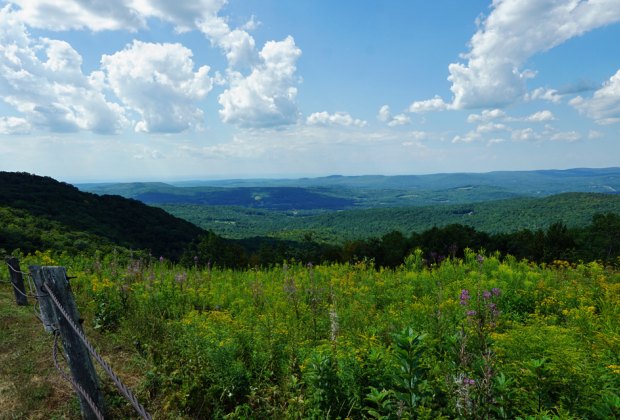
<point>500,216</point>
<point>35,208</point>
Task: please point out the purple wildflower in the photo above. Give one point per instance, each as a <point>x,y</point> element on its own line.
<point>471,313</point>
<point>479,258</point>
<point>468,381</point>
<point>465,296</point>
<point>496,291</point>
<point>486,295</point>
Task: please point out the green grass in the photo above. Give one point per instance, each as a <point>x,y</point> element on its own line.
<point>30,386</point>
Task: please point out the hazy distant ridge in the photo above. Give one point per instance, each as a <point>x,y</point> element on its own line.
<point>368,191</point>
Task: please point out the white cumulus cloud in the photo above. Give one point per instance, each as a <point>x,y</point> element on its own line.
<point>604,105</point>
<point>514,31</point>
<point>551,95</point>
<point>96,15</point>
<point>339,118</point>
<point>525,134</point>
<point>540,116</point>
<point>386,116</point>
<point>486,115</point>
<point>14,125</point>
<point>435,104</point>
<point>266,97</point>
<point>261,83</point>
<point>159,83</point>
<point>42,79</point>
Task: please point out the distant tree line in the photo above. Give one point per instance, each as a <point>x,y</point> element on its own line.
<point>598,241</point>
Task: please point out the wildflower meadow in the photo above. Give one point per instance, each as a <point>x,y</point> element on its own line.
<point>478,337</point>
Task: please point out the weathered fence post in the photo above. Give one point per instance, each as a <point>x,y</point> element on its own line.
<point>78,357</point>
<point>17,280</point>
<point>48,316</point>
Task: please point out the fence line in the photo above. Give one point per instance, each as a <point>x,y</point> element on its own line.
<point>122,388</point>
<point>119,384</point>
<point>77,387</point>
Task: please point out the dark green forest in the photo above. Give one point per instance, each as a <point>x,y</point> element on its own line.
<point>499,216</point>
<point>39,213</point>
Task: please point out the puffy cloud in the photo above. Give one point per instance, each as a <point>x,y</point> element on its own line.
<point>238,45</point>
<point>266,97</point>
<point>386,116</point>
<point>486,115</point>
<point>604,105</point>
<point>42,79</point>
<point>184,15</point>
<point>481,130</point>
<point>540,116</point>
<point>339,118</point>
<point>14,125</point>
<point>100,15</point>
<point>158,82</point>
<point>467,138</point>
<point>95,15</point>
<point>490,127</point>
<point>513,32</point>
<point>435,104</point>
<point>399,119</point>
<point>495,114</point>
<point>259,85</point>
<point>526,134</point>
<point>550,95</point>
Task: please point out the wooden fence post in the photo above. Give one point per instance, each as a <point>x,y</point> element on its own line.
<point>46,310</point>
<point>78,356</point>
<point>17,280</point>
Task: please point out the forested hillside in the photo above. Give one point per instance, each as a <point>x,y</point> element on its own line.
<point>502,216</point>
<point>40,212</point>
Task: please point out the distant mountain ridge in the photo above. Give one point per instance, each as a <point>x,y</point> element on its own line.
<point>368,191</point>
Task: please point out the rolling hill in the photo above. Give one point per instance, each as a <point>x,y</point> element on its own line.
<point>500,216</point>
<point>39,212</point>
<point>364,192</point>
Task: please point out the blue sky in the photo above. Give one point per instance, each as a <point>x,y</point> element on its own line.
<point>159,90</point>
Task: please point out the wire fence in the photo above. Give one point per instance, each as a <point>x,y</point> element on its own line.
<point>122,388</point>
<point>69,379</point>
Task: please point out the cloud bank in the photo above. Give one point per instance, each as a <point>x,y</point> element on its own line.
<point>153,82</point>
<point>494,75</point>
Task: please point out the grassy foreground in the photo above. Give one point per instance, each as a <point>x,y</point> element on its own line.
<point>481,337</point>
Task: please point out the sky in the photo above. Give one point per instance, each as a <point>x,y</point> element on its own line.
<point>162,90</point>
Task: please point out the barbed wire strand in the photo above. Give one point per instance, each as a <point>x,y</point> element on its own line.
<point>17,271</point>
<point>30,286</point>
<point>126,392</point>
<point>73,383</point>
